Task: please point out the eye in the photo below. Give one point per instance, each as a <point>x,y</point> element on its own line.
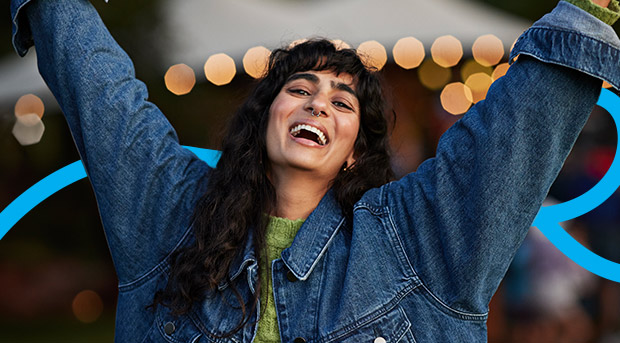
<point>298,91</point>
<point>343,105</point>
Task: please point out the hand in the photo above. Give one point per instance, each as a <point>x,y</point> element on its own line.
<point>602,3</point>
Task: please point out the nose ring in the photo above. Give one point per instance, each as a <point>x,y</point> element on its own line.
<point>318,114</point>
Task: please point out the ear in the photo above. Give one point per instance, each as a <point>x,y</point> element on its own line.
<point>351,159</point>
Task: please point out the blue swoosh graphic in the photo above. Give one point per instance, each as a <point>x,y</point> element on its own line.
<point>60,179</point>
<point>547,220</point>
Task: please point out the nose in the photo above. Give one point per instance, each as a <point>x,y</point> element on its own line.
<point>317,106</point>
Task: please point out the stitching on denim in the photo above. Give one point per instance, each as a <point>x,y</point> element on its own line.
<point>582,68</point>
<point>570,32</point>
<point>318,295</point>
<point>371,317</point>
<point>404,313</point>
<point>316,260</point>
<point>544,30</point>
<point>460,314</point>
<point>159,267</point>
<point>402,248</point>
<point>372,208</point>
<point>468,315</point>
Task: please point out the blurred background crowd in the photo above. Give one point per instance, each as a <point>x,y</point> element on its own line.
<point>200,58</point>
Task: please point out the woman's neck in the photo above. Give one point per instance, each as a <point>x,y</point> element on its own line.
<point>298,194</point>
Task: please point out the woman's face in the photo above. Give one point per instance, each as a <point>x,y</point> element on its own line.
<point>297,139</point>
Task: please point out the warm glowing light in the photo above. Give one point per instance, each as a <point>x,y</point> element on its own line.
<point>180,79</point>
<point>456,98</point>
<point>28,129</point>
<point>447,51</point>
<point>471,67</point>
<point>488,50</point>
<point>87,306</point>
<point>479,84</point>
<point>433,76</point>
<point>28,104</point>
<point>408,52</point>
<point>255,61</point>
<point>220,69</point>
<point>606,84</point>
<point>500,71</point>
<point>373,54</point>
<point>339,44</point>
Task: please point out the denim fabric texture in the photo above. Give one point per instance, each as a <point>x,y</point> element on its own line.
<point>422,256</point>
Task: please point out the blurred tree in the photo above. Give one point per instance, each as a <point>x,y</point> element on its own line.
<point>529,9</point>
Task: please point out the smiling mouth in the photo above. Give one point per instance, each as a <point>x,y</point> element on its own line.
<point>308,132</point>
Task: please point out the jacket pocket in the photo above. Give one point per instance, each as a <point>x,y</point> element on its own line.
<point>173,329</point>
<point>389,328</point>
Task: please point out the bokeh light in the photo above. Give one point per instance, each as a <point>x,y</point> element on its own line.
<point>28,104</point>
<point>373,54</point>
<point>456,98</point>
<point>255,61</point>
<point>28,129</point>
<point>433,76</point>
<point>220,69</point>
<point>447,51</point>
<point>471,67</point>
<point>87,306</point>
<point>488,50</point>
<point>408,52</point>
<point>339,44</point>
<point>479,84</point>
<point>500,71</point>
<point>180,79</point>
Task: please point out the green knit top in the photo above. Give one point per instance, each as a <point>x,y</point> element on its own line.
<point>279,236</point>
<point>607,15</point>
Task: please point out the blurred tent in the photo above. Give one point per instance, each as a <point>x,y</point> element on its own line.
<point>195,29</point>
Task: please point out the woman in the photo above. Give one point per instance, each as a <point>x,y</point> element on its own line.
<point>296,236</point>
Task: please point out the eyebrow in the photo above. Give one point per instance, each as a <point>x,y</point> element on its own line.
<point>314,79</point>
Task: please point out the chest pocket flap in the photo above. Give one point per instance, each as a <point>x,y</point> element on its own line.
<point>388,328</point>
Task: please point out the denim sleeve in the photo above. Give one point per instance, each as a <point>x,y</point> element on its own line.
<point>462,215</point>
<point>145,183</point>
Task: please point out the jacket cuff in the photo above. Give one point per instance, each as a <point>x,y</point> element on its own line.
<point>21,34</point>
<point>607,15</point>
<point>571,37</point>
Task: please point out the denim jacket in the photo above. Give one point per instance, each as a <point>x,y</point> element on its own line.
<point>421,257</point>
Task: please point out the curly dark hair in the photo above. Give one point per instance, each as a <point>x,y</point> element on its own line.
<point>239,193</point>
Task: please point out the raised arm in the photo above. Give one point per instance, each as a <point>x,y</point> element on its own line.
<point>145,183</point>
<point>465,212</point>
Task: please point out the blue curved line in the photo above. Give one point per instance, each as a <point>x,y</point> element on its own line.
<point>39,192</point>
<point>603,189</point>
<point>578,253</point>
<point>60,179</point>
<point>548,218</point>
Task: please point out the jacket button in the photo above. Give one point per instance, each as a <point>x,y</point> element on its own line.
<point>379,340</point>
<point>299,340</point>
<point>292,278</point>
<point>169,328</point>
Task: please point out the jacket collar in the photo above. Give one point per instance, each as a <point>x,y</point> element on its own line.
<point>314,237</point>
<point>309,245</point>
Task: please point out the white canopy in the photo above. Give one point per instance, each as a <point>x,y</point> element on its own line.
<point>199,28</point>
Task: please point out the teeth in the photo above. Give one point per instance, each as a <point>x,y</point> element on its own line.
<point>295,131</point>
